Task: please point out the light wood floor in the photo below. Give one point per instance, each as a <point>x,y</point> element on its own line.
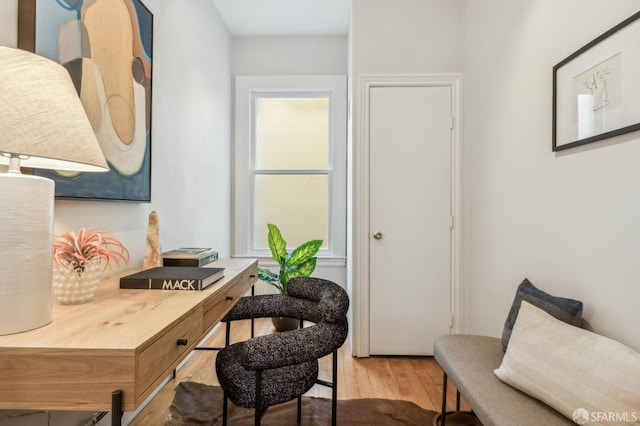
<point>415,379</point>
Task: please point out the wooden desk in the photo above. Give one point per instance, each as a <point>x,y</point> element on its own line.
<point>112,353</point>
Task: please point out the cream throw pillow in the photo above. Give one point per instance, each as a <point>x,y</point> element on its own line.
<point>569,368</point>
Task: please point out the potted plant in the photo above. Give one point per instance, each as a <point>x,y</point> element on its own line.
<point>79,260</point>
<point>300,262</point>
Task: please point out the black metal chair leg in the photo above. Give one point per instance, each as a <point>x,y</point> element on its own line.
<point>253,293</point>
<point>443,413</point>
<point>334,389</point>
<point>299,417</point>
<point>225,406</point>
<point>258,411</point>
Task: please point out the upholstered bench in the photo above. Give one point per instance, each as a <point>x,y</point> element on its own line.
<point>545,370</point>
<point>469,361</point>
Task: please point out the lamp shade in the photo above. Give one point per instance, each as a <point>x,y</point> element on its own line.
<point>41,116</point>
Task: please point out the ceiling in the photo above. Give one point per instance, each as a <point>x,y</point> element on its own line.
<point>285,17</point>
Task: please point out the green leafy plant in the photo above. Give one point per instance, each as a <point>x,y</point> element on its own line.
<point>300,262</point>
<point>75,251</point>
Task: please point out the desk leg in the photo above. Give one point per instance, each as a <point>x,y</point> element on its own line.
<point>116,408</point>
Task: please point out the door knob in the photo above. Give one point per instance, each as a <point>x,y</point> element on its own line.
<point>377,235</point>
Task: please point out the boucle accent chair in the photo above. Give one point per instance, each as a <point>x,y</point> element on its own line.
<point>276,368</point>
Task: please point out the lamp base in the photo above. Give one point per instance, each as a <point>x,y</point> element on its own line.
<point>26,232</point>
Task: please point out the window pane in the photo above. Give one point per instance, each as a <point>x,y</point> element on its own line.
<point>292,133</point>
<point>298,205</point>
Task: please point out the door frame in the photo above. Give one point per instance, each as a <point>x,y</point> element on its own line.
<point>360,226</point>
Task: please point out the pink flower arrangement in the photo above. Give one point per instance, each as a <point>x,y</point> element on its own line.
<point>76,251</point>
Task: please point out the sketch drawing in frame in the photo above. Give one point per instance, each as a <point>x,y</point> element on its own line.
<point>595,90</point>
<point>106,45</point>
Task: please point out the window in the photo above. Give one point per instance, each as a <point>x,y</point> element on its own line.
<point>290,162</point>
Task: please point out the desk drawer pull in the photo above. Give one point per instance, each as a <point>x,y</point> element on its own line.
<point>229,298</point>
<point>182,342</point>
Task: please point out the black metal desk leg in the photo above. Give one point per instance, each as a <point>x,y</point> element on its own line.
<point>116,408</point>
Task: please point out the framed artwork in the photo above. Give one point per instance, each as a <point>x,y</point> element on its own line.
<point>596,89</point>
<point>106,45</point>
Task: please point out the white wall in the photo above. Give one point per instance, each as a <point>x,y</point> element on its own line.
<point>192,125</point>
<point>289,55</point>
<point>190,135</point>
<point>9,23</point>
<point>407,36</point>
<point>570,222</point>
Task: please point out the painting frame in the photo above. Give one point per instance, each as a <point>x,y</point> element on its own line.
<point>108,52</point>
<point>594,92</point>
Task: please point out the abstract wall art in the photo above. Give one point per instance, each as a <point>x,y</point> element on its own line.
<point>106,45</point>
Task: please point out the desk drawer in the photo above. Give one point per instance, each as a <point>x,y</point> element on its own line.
<point>165,353</point>
<point>215,310</point>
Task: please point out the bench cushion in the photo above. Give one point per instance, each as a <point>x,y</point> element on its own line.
<point>469,361</point>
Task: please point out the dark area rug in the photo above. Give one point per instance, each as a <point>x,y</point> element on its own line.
<point>200,404</point>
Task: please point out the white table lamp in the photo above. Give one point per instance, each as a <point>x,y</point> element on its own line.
<point>42,125</point>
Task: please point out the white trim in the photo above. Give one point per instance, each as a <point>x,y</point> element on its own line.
<point>320,262</point>
<point>335,86</point>
<point>360,202</point>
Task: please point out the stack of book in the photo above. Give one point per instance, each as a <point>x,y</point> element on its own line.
<point>189,256</point>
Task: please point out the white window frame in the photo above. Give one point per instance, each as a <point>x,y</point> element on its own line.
<point>246,89</point>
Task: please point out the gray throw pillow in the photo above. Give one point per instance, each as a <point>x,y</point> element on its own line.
<point>567,310</point>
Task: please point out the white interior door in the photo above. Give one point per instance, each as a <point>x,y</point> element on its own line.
<point>410,218</point>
